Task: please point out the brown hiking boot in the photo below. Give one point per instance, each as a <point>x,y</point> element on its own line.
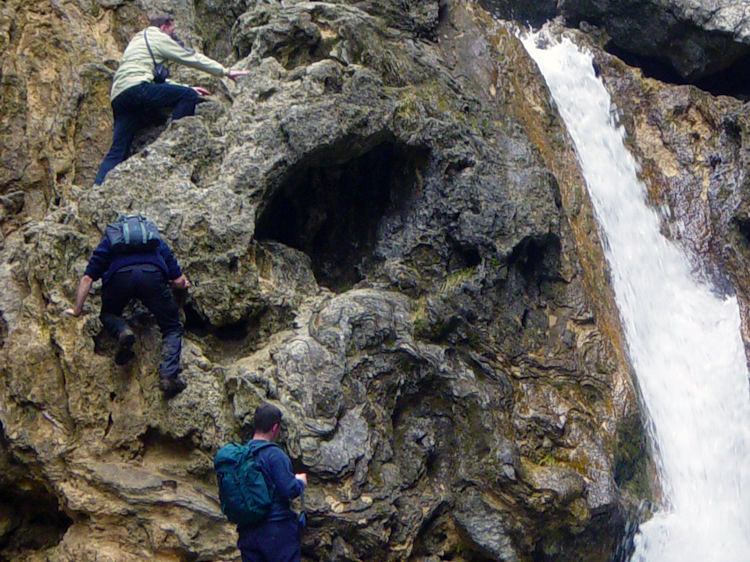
<point>125,343</point>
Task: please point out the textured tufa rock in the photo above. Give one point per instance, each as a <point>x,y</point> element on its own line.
<point>389,238</point>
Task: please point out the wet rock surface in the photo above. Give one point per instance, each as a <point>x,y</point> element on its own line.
<point>693,149</point>
<point>388,237</point>
<point>686,40</point>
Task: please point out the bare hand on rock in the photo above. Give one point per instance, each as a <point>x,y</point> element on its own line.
<point>181,282</point>
<point>233,74</point>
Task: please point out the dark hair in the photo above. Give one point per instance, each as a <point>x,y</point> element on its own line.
<point>266,415</point>
<point>161,19</point>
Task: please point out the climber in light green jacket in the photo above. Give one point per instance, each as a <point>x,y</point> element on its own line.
<point>140,85</point>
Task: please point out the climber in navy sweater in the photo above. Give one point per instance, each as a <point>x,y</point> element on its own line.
<point>145,276</point>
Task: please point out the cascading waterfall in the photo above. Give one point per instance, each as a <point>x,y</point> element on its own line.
<point>684,342</point>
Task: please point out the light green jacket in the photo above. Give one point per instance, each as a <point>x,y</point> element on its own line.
<point>136,65</point>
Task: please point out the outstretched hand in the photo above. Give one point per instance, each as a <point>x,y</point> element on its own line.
<point>233,74</point>
<point>201,91</point>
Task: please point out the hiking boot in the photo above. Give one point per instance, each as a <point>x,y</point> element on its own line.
<point>125,343</point>
<point>172,386</point>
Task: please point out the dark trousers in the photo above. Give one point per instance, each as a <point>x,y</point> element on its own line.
<point>148,284</point>
<point>131,109</point>
<point>273,541</point>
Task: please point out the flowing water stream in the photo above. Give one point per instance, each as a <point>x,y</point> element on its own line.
<point>684,341</point>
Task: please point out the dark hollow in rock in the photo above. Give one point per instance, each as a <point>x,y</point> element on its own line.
<point>731,81</point>
<point>30,519</point>
<point>332,212</point>
<point>179,448</point>
<point>222,343</point>
<point>537,259</point>
<point>742,224</point>
<point>197,324</point>
<point>463,257</point>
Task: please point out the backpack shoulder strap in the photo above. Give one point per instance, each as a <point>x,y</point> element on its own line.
<point>254,448</point>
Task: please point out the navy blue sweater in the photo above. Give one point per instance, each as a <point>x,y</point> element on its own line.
<point>104,263</point>
<point>277,469</point>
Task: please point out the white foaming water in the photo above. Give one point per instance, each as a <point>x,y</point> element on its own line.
<point>683,341</point>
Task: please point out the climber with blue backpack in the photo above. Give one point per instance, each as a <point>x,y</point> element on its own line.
<point>256,483</point>
<point>134,262</point>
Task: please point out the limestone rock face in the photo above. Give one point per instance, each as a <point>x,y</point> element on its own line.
<point>388,237</point>
<point>696,38</point>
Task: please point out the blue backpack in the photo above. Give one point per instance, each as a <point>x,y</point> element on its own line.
<point>243,492</point>
<point>132,234</point>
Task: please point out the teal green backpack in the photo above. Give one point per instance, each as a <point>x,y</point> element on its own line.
<point>132,234</point>
<point>243,492</point>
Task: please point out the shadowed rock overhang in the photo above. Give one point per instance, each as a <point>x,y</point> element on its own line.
<point>332,211</point>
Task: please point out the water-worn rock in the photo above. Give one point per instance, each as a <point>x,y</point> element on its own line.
<point>694,37</point>
<point>693,150</point>
<point>389,238</point>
